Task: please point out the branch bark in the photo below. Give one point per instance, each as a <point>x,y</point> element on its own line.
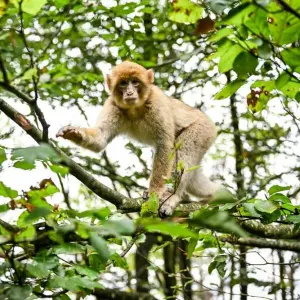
<point>265,243</point>
<point>274,231</point>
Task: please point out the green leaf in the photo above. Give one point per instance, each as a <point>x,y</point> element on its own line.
<point>100,246</point>
<point>219,263</point>
<point>278,188</point>
<point>61,3</point>
<point>74,283</point>
<point>265,50</point>
<point>100,214</point>
<point>29,74</point>
<point>37,213</point>
<point>260,94</point>
<point>239,14</point>
<point>6,191</point>
<point>207,240</point>
<point>168,228</point>
<point>39,194</point>
<point>265,206</point>
<point>4,207</point>
<point>119,261</point>
<point>222,196</point>
<point>193,168</point>
<point>293,219</point>
<point>249,207</point>
<point>289,86</point>
<point>191,247</point>
<point>49,262</point>
<point>185,11</point>
<point>22,219</point>
<point>87,271</point>
<point>24,165</point>
<point>32,6</point>
<point>124,226</point>
<point>37,270</point>
<point>55,237</point>
<point>278,197</point>
<point>229,89</point>
<point>2,155</point>
<point>244,64</point>
<point>220,34</point>
<point>228,58</point>
<point>227,206</point>
<point>291,56</point>
<point>59,169</point>
<point>26,234</point>
<point>96,262</point>
<point>284,26</point>
<point>43,152</point>
<point>18,292</point>
<point>69,249</point>
<point>150,207</point>
<point>216,220</point>
<point>256,21</point>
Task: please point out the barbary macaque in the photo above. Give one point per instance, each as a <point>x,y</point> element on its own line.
<point>138,108</point>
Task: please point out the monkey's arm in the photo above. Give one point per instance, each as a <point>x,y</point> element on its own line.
<point>95,138</point>
<point>162,167</point>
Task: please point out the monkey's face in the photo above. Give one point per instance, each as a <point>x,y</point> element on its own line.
<point>129,89</point>
<point>130,84</point>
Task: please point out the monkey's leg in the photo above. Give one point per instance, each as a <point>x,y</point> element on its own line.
<point>201,186</point>
<point>195,141</point>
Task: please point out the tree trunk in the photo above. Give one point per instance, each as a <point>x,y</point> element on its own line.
<point>184,265</point>
<point>142,263</point>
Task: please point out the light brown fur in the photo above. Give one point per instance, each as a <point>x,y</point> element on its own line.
<point>157,120</point>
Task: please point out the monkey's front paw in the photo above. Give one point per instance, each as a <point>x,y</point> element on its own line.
<point>168,206</point>
<point>70,133</point>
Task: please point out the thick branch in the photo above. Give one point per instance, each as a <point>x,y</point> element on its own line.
<point>265,243</point>
<point>271,230</point>
<point>33,104</point>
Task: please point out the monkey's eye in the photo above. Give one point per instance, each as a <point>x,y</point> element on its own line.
<point>123,83</point>
<point>135,82</point>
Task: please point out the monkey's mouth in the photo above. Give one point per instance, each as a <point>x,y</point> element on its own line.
<point>131,100</point>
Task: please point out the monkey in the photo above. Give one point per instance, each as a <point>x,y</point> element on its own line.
<point>136,107</point>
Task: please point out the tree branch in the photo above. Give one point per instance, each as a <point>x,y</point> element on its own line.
<point>265,243</point>
<point>32,103</point>
<point>271,230</point>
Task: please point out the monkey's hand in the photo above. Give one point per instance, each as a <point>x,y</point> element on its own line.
<point>71,133</point>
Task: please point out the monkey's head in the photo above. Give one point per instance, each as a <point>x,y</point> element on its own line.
<point>130,84</point>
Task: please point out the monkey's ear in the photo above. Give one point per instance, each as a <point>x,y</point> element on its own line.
<point>150,75</point>
<point>108,82</point>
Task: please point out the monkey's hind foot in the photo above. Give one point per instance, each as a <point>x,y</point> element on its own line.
<point>168,206</point>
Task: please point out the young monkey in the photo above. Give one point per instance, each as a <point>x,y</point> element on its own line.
<point>140,109</point>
